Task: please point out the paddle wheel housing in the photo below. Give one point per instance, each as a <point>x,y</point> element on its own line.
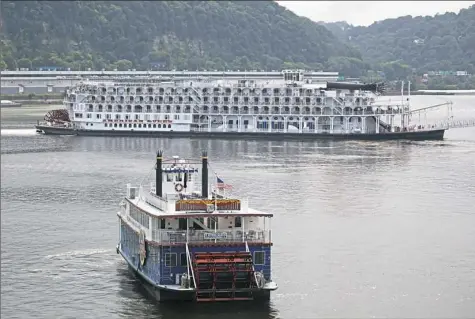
<point>57,116</point>
<point>224,276</point>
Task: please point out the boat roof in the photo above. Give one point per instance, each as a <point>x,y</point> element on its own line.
<point>155,212</point>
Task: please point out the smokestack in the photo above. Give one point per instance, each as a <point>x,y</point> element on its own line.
<point>204,175</point>
<point>158,174</point>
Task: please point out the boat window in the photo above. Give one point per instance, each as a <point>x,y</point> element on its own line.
<point>139,216</point>
<point>105,125</point>
<point>211,223</point>
<point>169,177</point>
<point>182,222</point>
<point>259,257</point>
<point>162,224</point>
<point>170,260</point>
<point>189,176</point>
<point>183,259</point>
<point>179,177</point>
<point>238,221</point>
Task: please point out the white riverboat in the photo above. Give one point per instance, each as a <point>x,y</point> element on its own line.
<point>292,107</point>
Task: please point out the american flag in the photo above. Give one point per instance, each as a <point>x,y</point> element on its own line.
<point>221,185</point>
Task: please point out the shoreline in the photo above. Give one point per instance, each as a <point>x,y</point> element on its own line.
<point>435,92</point>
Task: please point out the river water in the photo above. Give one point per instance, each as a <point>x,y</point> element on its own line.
<point>361,229</point>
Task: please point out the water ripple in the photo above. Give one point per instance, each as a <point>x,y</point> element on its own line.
<point>361,229</point>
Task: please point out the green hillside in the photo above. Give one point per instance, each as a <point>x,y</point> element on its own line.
<point>445,42</point>
<point>203,35</point>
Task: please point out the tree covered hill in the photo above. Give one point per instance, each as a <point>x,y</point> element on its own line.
<point>168,34</point>
<point>445,42</point>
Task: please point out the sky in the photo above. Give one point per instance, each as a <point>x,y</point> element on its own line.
<point>366,12</point>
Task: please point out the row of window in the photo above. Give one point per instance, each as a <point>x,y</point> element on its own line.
<point>180,100</point>
<point>177,177</point>
<point>211,223</point>
<point>141,91</point>
<point>167,117</point>
<point>171,259</point>
<point>139,216</point>
<point>130,125</point>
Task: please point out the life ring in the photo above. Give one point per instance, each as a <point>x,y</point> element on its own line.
<point>142,249</point>
<point>260,279</point>
<point>178,187</point>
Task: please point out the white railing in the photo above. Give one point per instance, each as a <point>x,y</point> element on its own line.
<point>154,200</point>
<point>462,123</point>
<point>253,270</point>
<point>210,236</point>
<point>190,265</point>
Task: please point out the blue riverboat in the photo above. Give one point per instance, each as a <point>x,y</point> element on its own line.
<point>192,242</point>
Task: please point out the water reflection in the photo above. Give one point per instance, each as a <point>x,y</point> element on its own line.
<point>26,143</point>
<point>221,149</point>
<point>326,157</point>
<point>135,302</point>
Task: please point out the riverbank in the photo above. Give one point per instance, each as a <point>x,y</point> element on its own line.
<point>431,92</point>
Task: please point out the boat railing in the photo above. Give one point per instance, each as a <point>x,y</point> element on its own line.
<point>211,236</point>
<point>155,201</point>
<point>443,125</point>
<point>55,124</point>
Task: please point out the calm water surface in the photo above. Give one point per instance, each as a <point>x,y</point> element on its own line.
<point>361,229</point>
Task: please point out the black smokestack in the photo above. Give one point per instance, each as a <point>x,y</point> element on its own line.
<point>158,174</point>
<point>204,175</point>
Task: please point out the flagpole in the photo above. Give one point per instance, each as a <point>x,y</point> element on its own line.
<point>215,205</point>
<point>216,192</point>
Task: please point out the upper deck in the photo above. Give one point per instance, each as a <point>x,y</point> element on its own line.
<point>176,212</point>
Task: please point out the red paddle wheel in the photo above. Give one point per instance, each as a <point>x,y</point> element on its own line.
<point>57,116</point>
<point>223,276</point>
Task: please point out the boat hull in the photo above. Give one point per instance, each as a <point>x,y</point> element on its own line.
<point>411,135</point>
<point>162,294</point>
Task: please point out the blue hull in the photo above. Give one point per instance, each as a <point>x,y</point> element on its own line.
<point>156,291</point>
<point>159,293</point>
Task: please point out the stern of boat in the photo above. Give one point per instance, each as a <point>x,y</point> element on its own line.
<point>228,277</point>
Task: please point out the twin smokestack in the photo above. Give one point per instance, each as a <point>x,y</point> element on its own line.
<point>159,174</point>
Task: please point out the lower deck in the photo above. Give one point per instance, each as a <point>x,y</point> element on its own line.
<point>422,134</point>
<point>212,270</point>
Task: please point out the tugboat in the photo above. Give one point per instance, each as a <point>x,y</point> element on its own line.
<point>191,244</point>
